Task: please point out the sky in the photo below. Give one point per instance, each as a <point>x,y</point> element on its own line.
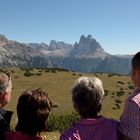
<point>115,24</point>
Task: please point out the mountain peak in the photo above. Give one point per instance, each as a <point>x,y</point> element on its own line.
<point>88,47</point>
<point>82,37</point>
<point>89,37</point>
<point>3,39</point>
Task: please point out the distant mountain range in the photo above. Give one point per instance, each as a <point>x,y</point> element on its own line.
<point>85,56</point>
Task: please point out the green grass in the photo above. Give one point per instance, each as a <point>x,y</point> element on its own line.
<point>59,84</point>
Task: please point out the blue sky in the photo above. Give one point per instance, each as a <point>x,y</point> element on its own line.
<point>115,24</point>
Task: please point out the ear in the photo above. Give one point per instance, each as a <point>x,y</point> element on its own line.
<point>2,100</point>
<point>133,71</point>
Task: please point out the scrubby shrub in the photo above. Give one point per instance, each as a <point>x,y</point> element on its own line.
<point>28,74</point>
<point>110,75</point>
<point>131,86</point>
<point>113,93</point>
<point>62,122</point>
<point>38,74</point>
<point>114,108</point>
<point>120,82</point>
<point>13,71</point>
<point>54,105</point>
<point>53,71</point>
<point>47,70</point>
<point>118,101</point>
<point>120,93</point>
<point>117,105</point>
<point>106,92</point>
<point>121,88</point>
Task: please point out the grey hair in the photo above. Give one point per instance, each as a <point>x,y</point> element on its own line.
<point>4,83</point>
<point>88,95</point>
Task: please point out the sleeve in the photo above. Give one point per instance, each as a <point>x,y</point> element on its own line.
<point>130,120</point>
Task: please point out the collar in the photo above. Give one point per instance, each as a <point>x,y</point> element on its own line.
<point>90,121</point>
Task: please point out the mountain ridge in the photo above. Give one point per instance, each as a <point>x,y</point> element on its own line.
<point>85,56</point>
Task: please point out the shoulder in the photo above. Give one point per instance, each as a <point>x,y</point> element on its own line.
<point>132,102</point>
<point>135,97</point>
<point>67,133</point>
<point>111,122</point>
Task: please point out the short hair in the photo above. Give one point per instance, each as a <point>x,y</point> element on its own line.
<point>4,82</point>
<point>87,95</point>
<point>136,61</point>
<point>33,109</point>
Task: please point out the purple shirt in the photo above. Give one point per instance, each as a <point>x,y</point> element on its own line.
<point>130,119</point>
<point>92,129</point>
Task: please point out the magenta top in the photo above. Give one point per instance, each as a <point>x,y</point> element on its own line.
<point>20,136</point>
<point>92,129</point>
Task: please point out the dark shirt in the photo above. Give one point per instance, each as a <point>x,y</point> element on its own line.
<point>5,118</point>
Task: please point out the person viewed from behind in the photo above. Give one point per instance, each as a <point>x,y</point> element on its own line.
<point>5,95</point>
<point>87,97</point>
<point>33,109</point>
<point>130,119</point>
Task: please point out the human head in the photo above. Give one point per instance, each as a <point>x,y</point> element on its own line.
<point>87,95</point>
<point>135,70</point>
<point>5,89</point>
<point>33,109</point>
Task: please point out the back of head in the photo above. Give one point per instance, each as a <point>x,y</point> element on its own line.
<point>33,109</point>
<point>136,61</point>
<point>87,96</point>
<point>5,88</point>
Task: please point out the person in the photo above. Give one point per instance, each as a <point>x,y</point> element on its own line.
<point>130,118</point>
<point>5,96</point>
<point>87,97</point>
<point>33,109</point>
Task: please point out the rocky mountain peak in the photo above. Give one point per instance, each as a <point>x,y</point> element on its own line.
<point>88,47</point>
<point>52,43</point>
<point>89,37</point>
<point>3,39</point>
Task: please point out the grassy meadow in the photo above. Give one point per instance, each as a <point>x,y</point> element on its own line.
<point>58,84</point>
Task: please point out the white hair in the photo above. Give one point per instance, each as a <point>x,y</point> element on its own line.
<point>88,94</point>
<point>91,82</point>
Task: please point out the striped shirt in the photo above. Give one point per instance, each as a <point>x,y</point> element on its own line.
<point>130,119</point>
<point>92,129</point>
